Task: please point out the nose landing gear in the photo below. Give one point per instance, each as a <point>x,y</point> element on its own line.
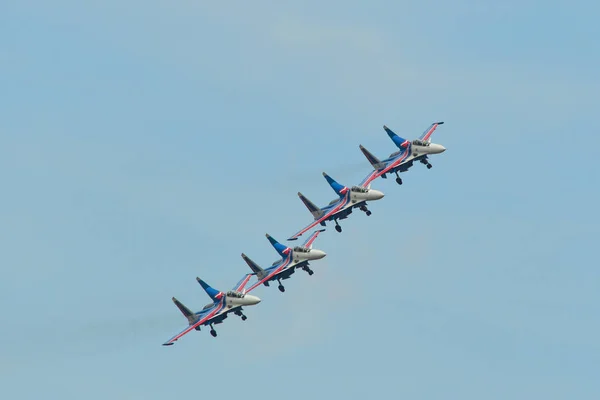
<point>280,287</point>
<point>338,227</point>
<point>212,331</point>
<point>398,179</point>
<point>365,210</point>
<point>307,269</point>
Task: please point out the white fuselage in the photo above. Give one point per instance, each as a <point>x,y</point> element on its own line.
<point>307,255</point>
<point>431,148</point>
<point>246,300</point>
<point>369,195</point>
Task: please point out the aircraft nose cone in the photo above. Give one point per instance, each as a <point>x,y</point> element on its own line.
<point>252,300</point>
<point>317,254</point>
<point>437,148</point>
<point>375,194</point>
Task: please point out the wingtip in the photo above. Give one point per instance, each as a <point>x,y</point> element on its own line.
<point>440,123</point>
<point>173,299</point>
<point>168,344</point>
<point>324,174</point>
<point>198,279</point>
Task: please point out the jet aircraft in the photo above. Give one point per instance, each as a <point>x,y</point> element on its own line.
<point>291,259</point>
<point>340,208</point>
<point>400,161</point>
<point>215,312</point>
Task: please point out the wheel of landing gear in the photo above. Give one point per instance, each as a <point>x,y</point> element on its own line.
<point>310,272</point>
<point>429,166</point>
<point>213,333</point>
<point>281,288</point>
<point>368,213</point>
<point>338,228</point>
<point>244,318</point>
<point>399,181</point>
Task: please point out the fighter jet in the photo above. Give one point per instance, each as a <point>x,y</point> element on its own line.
<point>400,161</point>
<point>215,312</point>
<point>291,259</point>
<point>340,208</point>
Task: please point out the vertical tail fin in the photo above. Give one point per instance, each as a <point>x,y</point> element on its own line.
<point>375,162</point>
<point>314,210</point>
<point>280,248</point>
<point>339,189</point>
<point>191,317</point>
<point>398,141</point>
<point>214,294</point>
<point>253,266</point>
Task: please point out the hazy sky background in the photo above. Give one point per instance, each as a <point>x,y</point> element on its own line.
<point>144,143</point>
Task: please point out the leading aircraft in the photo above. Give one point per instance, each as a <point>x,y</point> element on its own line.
<point>340,208</point>
<point>215,312</point>
<point>409,152</point>
<point>291,259</point>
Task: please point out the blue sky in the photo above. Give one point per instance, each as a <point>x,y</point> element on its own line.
<point>145,143</point>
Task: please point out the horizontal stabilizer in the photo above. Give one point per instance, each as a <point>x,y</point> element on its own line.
<point>375,162</point>
<point>191,317</point>
<point>314,210</point>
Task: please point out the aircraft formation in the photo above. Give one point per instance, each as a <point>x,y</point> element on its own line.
<point>298,257</point>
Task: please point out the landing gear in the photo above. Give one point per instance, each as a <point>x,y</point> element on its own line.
<point>212,331</point>
<point>240,314</point>
<point>365,210</point>
<point>280,287</point>
<point>307,269</point>
<point>338,228</point>
<point>398,179</point>
<point>425,162</point>
<point>429,166</point>
<point>368,213</point>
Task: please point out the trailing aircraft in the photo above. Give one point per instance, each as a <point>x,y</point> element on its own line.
<point>291,259</point>
<point>215,312</point>
<point>408,153</point>
<point>340,208</point>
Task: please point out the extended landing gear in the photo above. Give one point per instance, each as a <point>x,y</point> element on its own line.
<point>212,331</point>
<point>425,162</point>
<point>365,210</point>
<point>338,227</point>
<point>240,314</point>
<point>280,287</point>
<point>307,269</point>
<point>398,179</point>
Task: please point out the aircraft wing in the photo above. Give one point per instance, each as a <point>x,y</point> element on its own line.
<point>390,165</point>
<point>331,210</point>
<point>308,243</point>
<point>427,134</point>
<point>239,287</point>
<point>204,316</point>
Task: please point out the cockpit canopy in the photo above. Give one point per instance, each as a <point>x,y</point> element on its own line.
<point>418,142</point>
<point>300,249</point>
<point>359,189</point>
<point>233,293</point>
